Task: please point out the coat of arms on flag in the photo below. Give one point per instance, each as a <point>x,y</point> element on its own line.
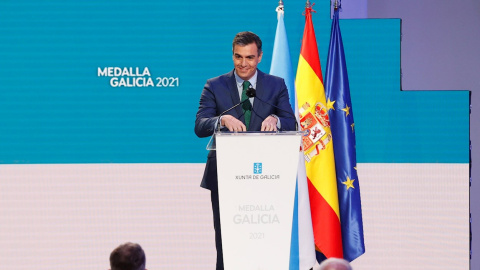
<point>317,129</point>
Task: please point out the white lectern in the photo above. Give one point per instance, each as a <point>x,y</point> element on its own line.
<point>256,184</point>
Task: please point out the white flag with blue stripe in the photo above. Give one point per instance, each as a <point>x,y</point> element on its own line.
<point>302,251</point>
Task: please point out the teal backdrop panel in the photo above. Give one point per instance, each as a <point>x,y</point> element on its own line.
<point>394,126</point>
<point>58,103</point>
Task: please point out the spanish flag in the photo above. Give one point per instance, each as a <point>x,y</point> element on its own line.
<point>318,146</point>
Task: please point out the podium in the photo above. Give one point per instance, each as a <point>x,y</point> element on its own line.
<point>257,175</point>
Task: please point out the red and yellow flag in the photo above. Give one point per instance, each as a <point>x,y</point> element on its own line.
<point>318,146</point>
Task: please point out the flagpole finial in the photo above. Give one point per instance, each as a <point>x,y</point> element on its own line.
<point>309,7</point>
<point>280,8</point>
<point>337,4</point>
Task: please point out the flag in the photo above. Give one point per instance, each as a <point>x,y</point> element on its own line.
<point>318,146</point>
<point>302,251</point>
<point>340,111</point>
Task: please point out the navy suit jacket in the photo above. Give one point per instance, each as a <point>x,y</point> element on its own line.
<point>221,93</point>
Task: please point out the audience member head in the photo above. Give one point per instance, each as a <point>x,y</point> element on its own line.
<point>335,264</point>
<point>128,256</point>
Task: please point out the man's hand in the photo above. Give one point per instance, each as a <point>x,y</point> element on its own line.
<point>269,124</point>
<point>233,124</point>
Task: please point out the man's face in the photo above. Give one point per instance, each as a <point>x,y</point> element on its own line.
<point>245,60</point>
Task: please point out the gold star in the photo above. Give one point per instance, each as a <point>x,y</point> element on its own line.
<point>349,183</point>
<point>353,126</point>
<point>330,104</point>
<point>347,110</point>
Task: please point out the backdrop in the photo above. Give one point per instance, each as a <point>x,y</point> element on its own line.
<point>97,109</point>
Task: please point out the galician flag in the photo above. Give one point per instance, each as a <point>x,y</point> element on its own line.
<point>302,249</point>
<point>318,146</point>
<point>339,106</point>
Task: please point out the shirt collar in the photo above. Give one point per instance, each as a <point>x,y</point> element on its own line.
<point>253,80</point>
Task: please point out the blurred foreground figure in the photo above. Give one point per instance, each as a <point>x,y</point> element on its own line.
<point>335,264</point>
<point>128,256</point>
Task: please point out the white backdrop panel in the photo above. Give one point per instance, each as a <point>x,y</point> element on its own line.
<point>72,216</point>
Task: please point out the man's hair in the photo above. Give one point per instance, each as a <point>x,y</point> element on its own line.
<point>128,256</point>
<point>245,38</point>
<point>335,264</point>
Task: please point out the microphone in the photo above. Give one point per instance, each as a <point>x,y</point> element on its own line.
<point>251,92</point>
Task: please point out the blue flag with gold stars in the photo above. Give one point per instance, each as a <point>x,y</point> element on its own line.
<point>340,112</point>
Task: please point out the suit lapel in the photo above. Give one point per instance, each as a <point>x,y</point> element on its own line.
<point>233,89</point>
<point>256,120</point>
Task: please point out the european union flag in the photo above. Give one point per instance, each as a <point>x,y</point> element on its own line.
<point>340,111</point>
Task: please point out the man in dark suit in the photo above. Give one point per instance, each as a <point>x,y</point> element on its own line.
<point>223,92</point>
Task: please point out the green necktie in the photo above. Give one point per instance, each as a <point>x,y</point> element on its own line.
<point>247,106</point>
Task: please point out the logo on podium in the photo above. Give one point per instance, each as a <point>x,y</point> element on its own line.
<point>257,168</point>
